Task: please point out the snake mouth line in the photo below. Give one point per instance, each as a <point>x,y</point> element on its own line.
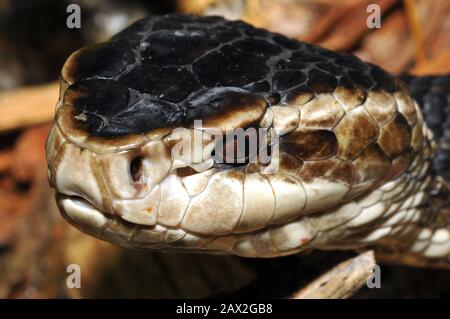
<point>89,219</point>
<point>82,214</point>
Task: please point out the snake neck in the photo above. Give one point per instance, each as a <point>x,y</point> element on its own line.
<point>432,94</point>
<point>428,242</point>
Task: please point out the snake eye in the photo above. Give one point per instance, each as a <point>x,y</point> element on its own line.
<point>136,169</point>
<point>239,149</point>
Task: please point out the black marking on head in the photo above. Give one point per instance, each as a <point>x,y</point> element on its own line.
<point>172,84</point>
<point>156,72</point>
<point>107,109</point>
<point>217,106</point>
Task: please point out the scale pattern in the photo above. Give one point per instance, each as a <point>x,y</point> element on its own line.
<point>173,69</point>
<point>433,95</point>
<point>353,166</point>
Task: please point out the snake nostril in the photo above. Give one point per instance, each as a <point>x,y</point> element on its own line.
<point>136,169</point>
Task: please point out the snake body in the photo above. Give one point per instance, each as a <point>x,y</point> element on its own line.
<point>354,157</point>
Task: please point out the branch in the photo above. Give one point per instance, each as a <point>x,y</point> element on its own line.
<point>28,106</point>
<point>342,281</point>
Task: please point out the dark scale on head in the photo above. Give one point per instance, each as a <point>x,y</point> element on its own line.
<point>158,72</point>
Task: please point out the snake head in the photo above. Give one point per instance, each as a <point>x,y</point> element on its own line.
<point>347,132</point>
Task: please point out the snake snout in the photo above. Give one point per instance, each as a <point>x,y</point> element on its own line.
<point>118,182</point>
<point>73,171</point>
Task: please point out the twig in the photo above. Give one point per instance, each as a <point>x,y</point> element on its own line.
<point>342,281</point>
<point>416,30</point>
<point>353,25</point>
<point>27,106</point>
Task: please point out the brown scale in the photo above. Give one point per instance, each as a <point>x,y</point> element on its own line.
<point>310,144</point>
<point>322,112</point>
<point>372,165</point>
<point>395,136</point>
<point>355,132</point>
<point>333,170</point>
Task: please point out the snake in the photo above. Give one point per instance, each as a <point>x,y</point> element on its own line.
<point>357,158</point>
